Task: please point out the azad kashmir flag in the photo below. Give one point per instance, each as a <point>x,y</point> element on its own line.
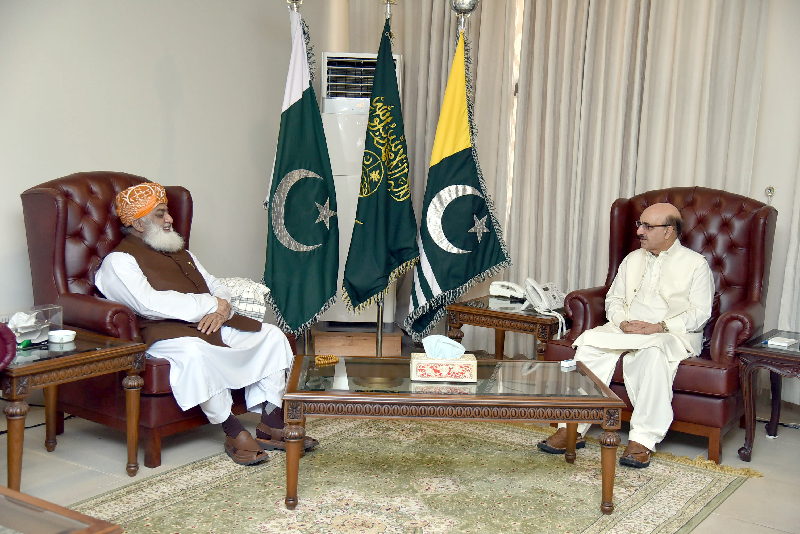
<point>460,241</point>
<point>383,245</point>
<point>302,264</point>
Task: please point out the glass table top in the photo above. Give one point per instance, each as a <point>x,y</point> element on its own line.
<point>502,304</point>
<point>512,378</point>
<point>48,351</point>
<point>761,342</point>
<point>20,517</point>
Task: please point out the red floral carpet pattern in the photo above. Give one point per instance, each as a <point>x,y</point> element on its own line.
<point>392,477</point>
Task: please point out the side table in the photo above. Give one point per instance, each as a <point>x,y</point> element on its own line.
<point>754,355</point>
<point>44,368</point>
<point>503,315</point>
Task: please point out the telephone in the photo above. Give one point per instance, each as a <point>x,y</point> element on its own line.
<point>544,298</point>
<point>509,290</point>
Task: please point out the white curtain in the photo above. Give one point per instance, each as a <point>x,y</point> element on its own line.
<point>789,314</point>
<point>701,94</point>
<point>665,94</point>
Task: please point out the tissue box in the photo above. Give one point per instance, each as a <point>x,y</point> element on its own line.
<point>425,368</point>
<point>40,320</point>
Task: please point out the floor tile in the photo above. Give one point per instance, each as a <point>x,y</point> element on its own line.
<point>720,524</point>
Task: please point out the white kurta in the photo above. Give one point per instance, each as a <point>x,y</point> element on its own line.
<point>676,287</point>
<point>201,373</point>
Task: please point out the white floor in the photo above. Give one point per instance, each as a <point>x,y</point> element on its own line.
<point>90,460</point>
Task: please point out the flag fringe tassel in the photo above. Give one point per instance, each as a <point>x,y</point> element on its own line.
<point>312,61</point>
<point>393,276</point>
<point>284,326</point>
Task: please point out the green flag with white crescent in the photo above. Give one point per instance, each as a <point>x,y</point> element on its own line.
<point>302,262</point>
<point>383,245</point>
<point>460,241</point>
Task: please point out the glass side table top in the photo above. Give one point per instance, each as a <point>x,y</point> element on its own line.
<point>48,351</point>
<point>502,304</point>
<point>760,342</point>
<point>505,378</point>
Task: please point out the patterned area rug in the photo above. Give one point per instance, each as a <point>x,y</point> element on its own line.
<point>419,477</point>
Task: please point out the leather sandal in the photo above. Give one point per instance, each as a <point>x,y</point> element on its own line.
<point>276,441</point>
<point>557,443</point>
<point>244,450</point>
<point>635,455</point>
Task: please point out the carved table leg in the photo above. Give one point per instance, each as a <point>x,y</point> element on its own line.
<point>609,441</point>
<point>133,385</point>
<point>747,372</point>
<point>499,343</point>
<point>294,434</point>
<point>454,327</point>
<point>15,412</point>
<point>50,400</point>
<point>572,438</point>
<point>775,417</point>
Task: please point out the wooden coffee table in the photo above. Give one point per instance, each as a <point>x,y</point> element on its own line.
<point>755,355</point>
<point>503,315</point>
<point>20,513</point>
<point>89,355</point>
<point>506,390</point>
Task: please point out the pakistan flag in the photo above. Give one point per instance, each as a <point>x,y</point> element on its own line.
<point>383,245</point>
<point>303,233</point>
<point>460,241</point>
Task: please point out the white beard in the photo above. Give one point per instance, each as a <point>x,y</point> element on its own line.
<point>156,238</point>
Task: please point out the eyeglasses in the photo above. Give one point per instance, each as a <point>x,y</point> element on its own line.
<point>647,226</point>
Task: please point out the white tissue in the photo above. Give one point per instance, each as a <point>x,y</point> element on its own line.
<point>442,348</point>
<point>25,326</point>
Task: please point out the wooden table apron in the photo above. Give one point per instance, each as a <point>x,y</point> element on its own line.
<point>570,410</point>
<point>543,327</point>
<point>750,360</point>
<point>17,384</point>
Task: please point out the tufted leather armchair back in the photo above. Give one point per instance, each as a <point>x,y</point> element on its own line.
<point>733,232</point>
<point>71,226</point>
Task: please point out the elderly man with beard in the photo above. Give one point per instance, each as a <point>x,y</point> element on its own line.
<point>185,316</point>
<point>657,306</point>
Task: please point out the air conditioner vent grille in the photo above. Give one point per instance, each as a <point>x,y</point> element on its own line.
<point>349,77</point>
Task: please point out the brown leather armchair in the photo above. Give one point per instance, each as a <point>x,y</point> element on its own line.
<point>71,226</point>
<point>735,234</point>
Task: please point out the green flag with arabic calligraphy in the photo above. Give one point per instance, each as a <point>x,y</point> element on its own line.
<point>383,245</point>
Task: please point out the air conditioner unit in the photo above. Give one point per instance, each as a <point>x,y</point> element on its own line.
<point>346,88</point>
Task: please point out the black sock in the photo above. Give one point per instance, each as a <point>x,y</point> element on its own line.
<point>232,426</point>
<point>274,419</point>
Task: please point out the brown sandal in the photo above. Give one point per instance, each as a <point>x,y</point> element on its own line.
<point>276,441</point>
<point>244,450</point>
<point>635,455</point>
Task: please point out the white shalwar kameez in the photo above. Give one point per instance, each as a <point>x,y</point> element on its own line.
<point>201,373</point>
<point>680,294</point>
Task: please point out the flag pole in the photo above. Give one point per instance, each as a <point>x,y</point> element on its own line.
<point>294,5</point>
<point>379,321</point>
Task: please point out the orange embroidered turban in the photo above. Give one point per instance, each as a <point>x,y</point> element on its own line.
<point>138,200</point>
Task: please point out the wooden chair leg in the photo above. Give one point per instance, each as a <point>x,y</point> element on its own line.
<point>152,446</point>
<point>715,445</point>
<point>59,423</point>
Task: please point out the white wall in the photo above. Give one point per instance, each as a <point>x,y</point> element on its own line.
<point>778,136</point>
<point>183,92</point>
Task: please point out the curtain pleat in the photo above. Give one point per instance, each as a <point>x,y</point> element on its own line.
<point>702,90</point>
<point>789,313</point>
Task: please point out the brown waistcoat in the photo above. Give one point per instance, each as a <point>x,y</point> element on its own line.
<point>167,271</point>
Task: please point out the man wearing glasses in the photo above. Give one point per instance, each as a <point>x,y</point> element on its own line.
<point>657,306</point>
